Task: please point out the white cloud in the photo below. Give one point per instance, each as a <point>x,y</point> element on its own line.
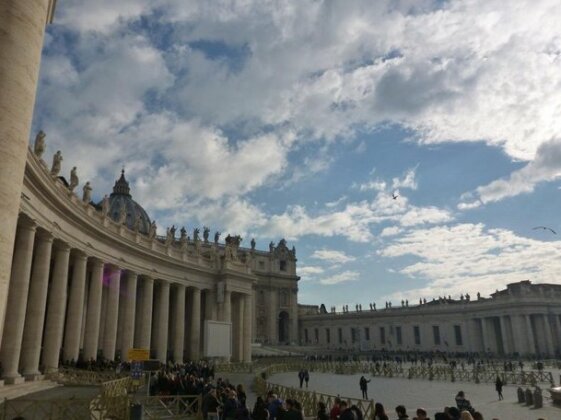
<point>336,202</point>
<point>309,271</point>
<point>332,256</point>
<point>391,231</point>
<point>343,277</point>
<point>546,166</point>
<point>470,258</point>
<point>376,185</point>
<point>408,181</point>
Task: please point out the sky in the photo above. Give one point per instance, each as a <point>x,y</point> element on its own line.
<point>304,119</point>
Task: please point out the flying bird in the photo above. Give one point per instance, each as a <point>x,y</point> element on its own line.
<point>394,196</point>
<point>545,228</point>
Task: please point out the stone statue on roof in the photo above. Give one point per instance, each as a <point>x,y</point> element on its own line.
<point>39,147</point>
<point>152,231</point>
<point>196,234</point>
<point>216,237</point>
<point>206,232</point>
<point>57,163</point>
<point>105,205</point>
<point>73,179</point>
<point>252,243</point>
<point>122,215</point>
<point>271,246</point>
<point>87,192</point>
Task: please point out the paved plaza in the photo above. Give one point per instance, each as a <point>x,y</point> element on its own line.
<point>431,395</point>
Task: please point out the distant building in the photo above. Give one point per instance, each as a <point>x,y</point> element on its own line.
<point>522,319</point>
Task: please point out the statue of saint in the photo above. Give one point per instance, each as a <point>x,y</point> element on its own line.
<point>122,215</point>
<point>137,220</point>
<point>73,179</point>
<point>271,246</point>
<point>183,235</point>
<point>152,231</point>
<point>170,235</point>
<point>57,162</point>
<point>216,237</point>
<point>105,205</point>
<point>252,243</point>
<point>39,147</point>
<point>206,232</point>
<point>87,193</point>
<point>196,234</point>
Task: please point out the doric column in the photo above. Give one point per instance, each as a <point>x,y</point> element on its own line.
<point>57,306</point>
<point>227,316</point>
<point>163,320</point>
<point>504,336</point>
<point>179,322</point>
<point>17,300</point>
<point>93,315</point>
<point>210,305</point>
<point>558,329</point>
<point>294,317</point>
<point>239,339</point>
<point>530,335</point>
<point>548,336</point>
<point>112,313</point>
<point>21,41</point>
<point>36,305</point>
<point>273,316</point>
<point>484,336</point>
<point>71,348</point>
<point>145,330</point>
<point>247,327</point>
<point>129,314</point>
<point>195,343</point>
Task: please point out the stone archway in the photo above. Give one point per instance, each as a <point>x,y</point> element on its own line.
<point>283,328</point>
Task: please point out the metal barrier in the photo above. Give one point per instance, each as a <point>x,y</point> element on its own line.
<point>67,376</point>
<point>170,406</point>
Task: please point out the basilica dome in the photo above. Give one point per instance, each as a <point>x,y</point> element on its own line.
<point>121,197</point>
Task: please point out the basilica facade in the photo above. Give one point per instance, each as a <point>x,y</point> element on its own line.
<point>92,280</point>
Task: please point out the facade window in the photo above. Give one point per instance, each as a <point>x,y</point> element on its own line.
<point>398,337</point>
<point>328,335</point>
<point>282,265</point>
<point>306,335</point>
<point>353,335</point>
<point>436,334</point>
<point>458,334</point>
<point>382,335</point>
<point>367,333</point>
<point>340,333</point>
<point>261,265</point>
<point>417,334</point>
<point>316,335</point>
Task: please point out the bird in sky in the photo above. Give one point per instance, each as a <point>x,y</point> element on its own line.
<point>394,195</point>
<point>545,228</point>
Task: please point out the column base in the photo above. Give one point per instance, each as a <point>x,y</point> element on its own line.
<point>31,377</point>
<point>14,380</point>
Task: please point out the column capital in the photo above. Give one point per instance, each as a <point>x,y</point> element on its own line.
<point>79,255</point>
<point>27,223</point>
<point>96,262</point>
<point>62,246</point>
<point>45,236</point>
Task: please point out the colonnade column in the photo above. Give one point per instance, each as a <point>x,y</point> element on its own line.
<point>273,315</point>
<point>195,339</point>
<point>179,322</point>
<point>21,41</point>
<point>530,334</point>
<point>248,327</point>
<point>227,315</point>
<point>36,305</point>
<point>163,319</point>
<point>17,300</point>
<point>129,313</point>
<point>75,308</point>
<point>57,306</point>
<point>504,336</point>
<point>146,319</point>
<point>210,305</point>
<point>548,336</point>
<point>93,314</point>
<point>112,313</point>
<point>239,340</point>
<point>484,337</point>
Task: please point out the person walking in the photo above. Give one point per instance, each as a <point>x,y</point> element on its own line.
<point>364,387</point>
<point>306,377</point>
<point>301,377</point>
<point>499,388</point>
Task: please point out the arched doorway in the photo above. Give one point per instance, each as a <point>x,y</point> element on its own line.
<point>283,328</point>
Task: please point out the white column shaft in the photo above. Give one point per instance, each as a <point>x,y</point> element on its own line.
<point>129,313</point>
<point>210,305</point>
<point>36,307</point>
<point>146,321</point>
<point>22,26</point>
<point>273,317</point>
<point>17,300</point>
<point>195,344</point>
<point>112,313</point>
<point>57,306</point>
<point>93,315</point>
<point>530,335</point>
<point>248,327</point>
<point>75,308</point>
<point>163,319</point>
<point>179,323</point>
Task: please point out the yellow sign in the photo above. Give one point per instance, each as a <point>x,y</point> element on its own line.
<point>138,354</point>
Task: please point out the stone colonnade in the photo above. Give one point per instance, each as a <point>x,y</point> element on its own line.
<point>63,304</point>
